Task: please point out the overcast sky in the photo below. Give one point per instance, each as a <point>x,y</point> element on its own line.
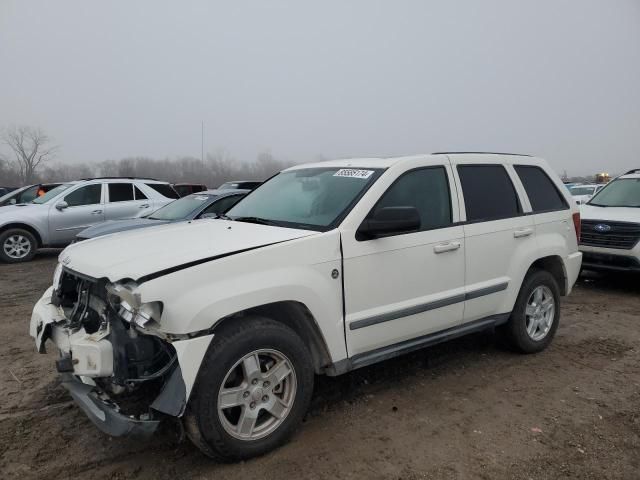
<point>560,79</point>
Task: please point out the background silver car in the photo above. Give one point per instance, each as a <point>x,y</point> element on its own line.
<point>54,219</point>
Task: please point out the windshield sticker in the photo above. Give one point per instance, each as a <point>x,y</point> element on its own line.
<point>353,173</point>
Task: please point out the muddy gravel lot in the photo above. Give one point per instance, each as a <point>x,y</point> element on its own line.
<point>466,409</point>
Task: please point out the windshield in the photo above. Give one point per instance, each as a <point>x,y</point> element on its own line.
<point>180,209</point>
<point>582,190</point>
<point>624,192</point>
<point>53,193</point>
<point>312,198</point>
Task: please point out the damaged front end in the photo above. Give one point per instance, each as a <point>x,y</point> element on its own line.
<point>120,368</point>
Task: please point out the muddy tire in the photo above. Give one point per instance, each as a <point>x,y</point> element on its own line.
<point>253,390</point>
<point>536,314</point>
<point>17,246</point>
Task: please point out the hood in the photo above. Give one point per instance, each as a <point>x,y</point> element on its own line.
<point>144,252</point>
<point>613,214</point>
<point>113,226</point>
<point>10,213</point>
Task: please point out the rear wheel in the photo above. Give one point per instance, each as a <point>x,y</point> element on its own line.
<point>253,390</point>
<point>536,314</point>
<point>17,245</point>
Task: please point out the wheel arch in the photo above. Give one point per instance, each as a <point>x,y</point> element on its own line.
<point>296,316</point>
<point>555,266</point>
<point>23,226</point>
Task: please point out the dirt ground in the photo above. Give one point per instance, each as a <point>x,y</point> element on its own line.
<point>466,409</point>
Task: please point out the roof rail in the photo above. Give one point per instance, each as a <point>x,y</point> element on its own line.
<point>481,153</point>
<point>120,178</point>
<point>635,170</point>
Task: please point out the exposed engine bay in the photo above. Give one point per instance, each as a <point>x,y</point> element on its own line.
<point>110,350</point>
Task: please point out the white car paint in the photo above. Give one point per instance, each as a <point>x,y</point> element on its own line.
<point>204,272</point>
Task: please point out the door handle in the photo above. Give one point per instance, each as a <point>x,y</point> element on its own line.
<point>146,205</point>
<point>96,212</point>
<point>525,232</point>
<point>446,247</point>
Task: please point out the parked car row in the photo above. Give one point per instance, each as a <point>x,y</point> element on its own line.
<point>52,215</point>
<point>323,269</point>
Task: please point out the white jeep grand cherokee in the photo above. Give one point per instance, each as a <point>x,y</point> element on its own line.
<point>323,269</point>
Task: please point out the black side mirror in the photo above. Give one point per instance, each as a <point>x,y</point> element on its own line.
<point>387,221</point>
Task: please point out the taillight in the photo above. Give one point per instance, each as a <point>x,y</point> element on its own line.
<point>576,225</point>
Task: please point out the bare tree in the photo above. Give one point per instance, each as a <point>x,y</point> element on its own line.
<point>31,147</point>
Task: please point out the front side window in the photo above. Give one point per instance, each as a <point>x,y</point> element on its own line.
<point>120,192</point>
<point>87,195</point>
<point>488,193</point>
<point>542,193</point>
<point>312,198</point>
<point>623,192</point>
<point>427,190</point>
<point>54,192</point>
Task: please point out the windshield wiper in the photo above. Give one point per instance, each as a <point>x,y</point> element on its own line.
<point>597,205</point>
<point>258,220</point>
<point>222,216</point>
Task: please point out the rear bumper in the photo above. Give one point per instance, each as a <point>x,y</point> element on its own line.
<point>104,415</point>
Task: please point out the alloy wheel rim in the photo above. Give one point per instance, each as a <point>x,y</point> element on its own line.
<point>17,246</point>
<point>257,394</point>
<point>540,312</point>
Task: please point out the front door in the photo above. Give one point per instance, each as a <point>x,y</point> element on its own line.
<point>412,284</point>
<point>84,209</point>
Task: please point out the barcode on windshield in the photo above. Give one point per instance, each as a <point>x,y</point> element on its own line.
<point>353,173</point>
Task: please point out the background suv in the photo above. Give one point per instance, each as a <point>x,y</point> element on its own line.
<point>54,219</point>
<point>610,237</point>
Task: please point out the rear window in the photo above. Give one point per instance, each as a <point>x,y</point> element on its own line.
<point>163,189</point>
<point>120,192</point>
<point>542,193</point>
<point>488,193</point>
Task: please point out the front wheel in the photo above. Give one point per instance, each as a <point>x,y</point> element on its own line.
<point>536,314</point>
<point>17,245</point>
<point>253,389</point>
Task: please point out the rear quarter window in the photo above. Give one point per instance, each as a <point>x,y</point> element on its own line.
<point>543,194</point>
<point>163,189</point>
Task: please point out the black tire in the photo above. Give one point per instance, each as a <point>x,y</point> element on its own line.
<point>515,330</point>
<point>233,341</point>
<point>17,232</point>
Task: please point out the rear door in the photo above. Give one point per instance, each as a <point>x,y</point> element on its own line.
<point>499,235</point>
<point>407,285</point>
<point>85,208</point>
<point>125,200</point>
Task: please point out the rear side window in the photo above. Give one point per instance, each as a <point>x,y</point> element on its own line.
<point>426,189</point>
<point>138,193</point>
<point>542,193</point>
<point>163,189</point>
<point>120,192</point>
<point>488,193</point>
<point>221,206</point>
